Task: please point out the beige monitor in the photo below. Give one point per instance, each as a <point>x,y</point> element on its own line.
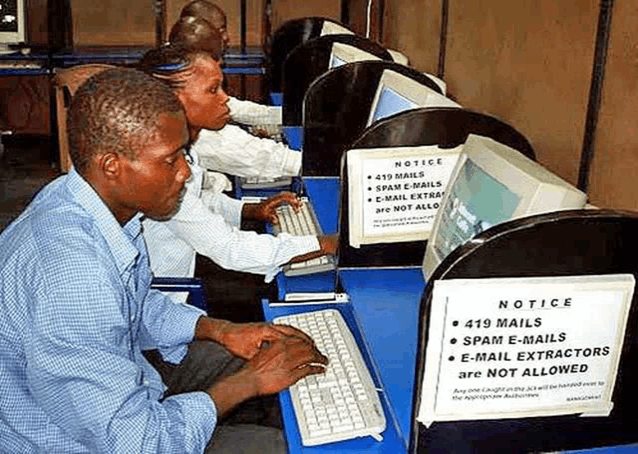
<point>490,184</point>
<point>396,93</point>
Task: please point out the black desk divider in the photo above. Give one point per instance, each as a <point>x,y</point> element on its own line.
<point>336,109</point>
<point>310,60</point>
<point>565,243</point>
<point>288,36</point>
<point>447,127</point>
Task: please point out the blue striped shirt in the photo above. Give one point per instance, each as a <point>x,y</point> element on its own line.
<point>76,310</point>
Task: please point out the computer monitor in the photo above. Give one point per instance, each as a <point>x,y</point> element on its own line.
<point>12,24</point>
<point>344,53</point>
<point>332,28</point>
<point>396,93</point>
<point>490,184</point>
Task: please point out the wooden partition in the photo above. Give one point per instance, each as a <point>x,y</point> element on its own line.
<point>283,10</point>
<point>612,179</point>
<point>416,34</point>
<point>232,8</point>
<point>113,23</point>
<point>530,63</point>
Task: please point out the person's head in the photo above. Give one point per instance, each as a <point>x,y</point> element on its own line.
<point>196,78</point>
<point>211,13</point>
<point>127,138</point>
<point>197,33</point>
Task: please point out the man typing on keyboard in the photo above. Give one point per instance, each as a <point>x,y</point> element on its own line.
<point>208,221</point>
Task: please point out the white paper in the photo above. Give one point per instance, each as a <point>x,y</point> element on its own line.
<point>517,347</point>
<point>395,193</point>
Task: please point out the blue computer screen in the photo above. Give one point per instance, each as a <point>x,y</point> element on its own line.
<point>336,62</point>
<point>389,103</point>
<point>476,202</point>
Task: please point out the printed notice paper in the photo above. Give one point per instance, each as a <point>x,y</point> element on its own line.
<point>520,347</point>
<point>394,193</point>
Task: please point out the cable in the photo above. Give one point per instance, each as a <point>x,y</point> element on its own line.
<point>368,19</point>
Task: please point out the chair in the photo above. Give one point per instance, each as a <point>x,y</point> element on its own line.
<point>288,36</point>
<point>447,127</point>
<point>309,60</point>
<point>65,83</point>
<point>564,243</point>
<point>336,109</point>
<point>194,286</point>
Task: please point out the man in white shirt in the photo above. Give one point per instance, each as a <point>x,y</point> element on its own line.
<point>208,221</point>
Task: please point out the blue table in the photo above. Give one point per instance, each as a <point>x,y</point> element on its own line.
<point>324,195</point>
<point>276,98</point>
<point>377,296</point>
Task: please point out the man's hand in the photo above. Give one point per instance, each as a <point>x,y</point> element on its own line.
<point>267,210</point>
<point>327,245</point>
<point>244,339</point>
<point>277,365</point>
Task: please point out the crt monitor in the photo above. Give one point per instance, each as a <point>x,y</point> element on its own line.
<point>344,53</point>
<point>12,24</point>
<point>397,92</point>
<point>332,28</point>
<point>490,184</point>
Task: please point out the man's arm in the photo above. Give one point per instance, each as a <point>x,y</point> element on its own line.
<point>251,113</point>
<point>210,235</point>
<point>234,151</point>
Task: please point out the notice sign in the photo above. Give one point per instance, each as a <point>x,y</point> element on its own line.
<point>520,347</point>
<point>394,193</point>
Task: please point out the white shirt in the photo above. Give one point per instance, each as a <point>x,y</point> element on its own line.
<point>207,222</point>
<point>236,152</point>
<point>251,113</point>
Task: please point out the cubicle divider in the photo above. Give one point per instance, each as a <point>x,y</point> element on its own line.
<point>446,128</point>
<point>564,245</point>
<point>309,60</point>
<point>336,108</point>
<point>288,36</point>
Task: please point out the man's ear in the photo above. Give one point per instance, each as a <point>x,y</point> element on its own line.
<point>110,165</point>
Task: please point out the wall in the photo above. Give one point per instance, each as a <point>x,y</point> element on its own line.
<point>530,63</point>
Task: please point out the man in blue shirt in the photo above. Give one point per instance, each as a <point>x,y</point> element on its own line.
<point>76,309</point>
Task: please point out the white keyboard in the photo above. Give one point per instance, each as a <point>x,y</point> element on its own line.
<point>300,223</point>
<point>264,183</point>
<point>343,402</point>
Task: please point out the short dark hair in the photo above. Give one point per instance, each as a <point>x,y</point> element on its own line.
<point>201,8</point>
<point>116,110</point>
<point>171,63</point>
<point>198,34</point>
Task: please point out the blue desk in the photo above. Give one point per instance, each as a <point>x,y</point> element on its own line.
<point>324,194</point>
<point>19,64</point>
<point>294,136</point>
<point>382,314</point>
<point>276,98</point>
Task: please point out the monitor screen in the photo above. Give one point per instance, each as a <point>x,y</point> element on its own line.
<point>491,184</point>
<point>12,23</point>
<point>390,102</point>
<point>397,93</point>
<point>345,53</point>
<point>335,62</point>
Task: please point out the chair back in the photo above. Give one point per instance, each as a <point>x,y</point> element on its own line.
<point>65,83</point>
